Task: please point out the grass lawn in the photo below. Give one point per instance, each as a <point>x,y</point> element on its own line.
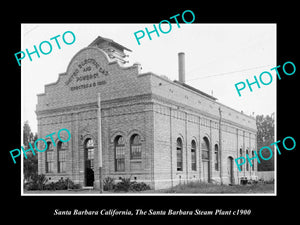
<point>199,187</point>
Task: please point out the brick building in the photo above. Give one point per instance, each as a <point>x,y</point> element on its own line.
<point>155,130</point>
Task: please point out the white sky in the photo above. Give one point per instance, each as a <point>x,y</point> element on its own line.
<point>217,56</point>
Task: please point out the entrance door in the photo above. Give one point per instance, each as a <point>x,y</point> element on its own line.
<point>205,171</point>
<point>230,170</point>
<point>89,162</point>
<point>89,177</point>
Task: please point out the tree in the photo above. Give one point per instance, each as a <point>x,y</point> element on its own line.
<point>27,134</point>
<point>265,137</point>
<point>31,163</point>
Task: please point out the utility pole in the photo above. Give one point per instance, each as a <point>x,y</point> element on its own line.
<point>99,143</point>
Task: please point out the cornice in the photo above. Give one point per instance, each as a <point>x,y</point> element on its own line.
<point>106,104</point>
<point>138,99</point>
<point>184,107</point>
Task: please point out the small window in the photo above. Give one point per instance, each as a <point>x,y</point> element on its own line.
<point>179,154</point>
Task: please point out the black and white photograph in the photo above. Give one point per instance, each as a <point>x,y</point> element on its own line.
<point>167,119</point>
<point>176,114</point>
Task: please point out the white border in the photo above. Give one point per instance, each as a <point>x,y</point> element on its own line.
<point>149,194</point>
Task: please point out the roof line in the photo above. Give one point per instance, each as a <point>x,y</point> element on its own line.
<point>195,89</point>
<point>110,41</point>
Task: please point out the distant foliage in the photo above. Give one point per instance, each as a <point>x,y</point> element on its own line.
<point>265,137</point>
<point>265,129</point>
<point>31,163</point>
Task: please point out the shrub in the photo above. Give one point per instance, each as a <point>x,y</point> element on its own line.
<point>39,183</point>
<point>50,186</point>
<point>126,185</point>
<point>141,186</point>
<point>30,186</point>
<point>62,184</point>
<point>108,184</point>
<point>123,185</point>
<point>73,186</point>
<point>271,181</point>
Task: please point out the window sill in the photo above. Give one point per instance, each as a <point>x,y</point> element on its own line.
<point>136,160</point>
<point>57,173</point>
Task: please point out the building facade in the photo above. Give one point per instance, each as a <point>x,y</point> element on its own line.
<point>153,130</point>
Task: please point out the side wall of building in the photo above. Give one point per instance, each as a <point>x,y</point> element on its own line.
<point>171,123</point>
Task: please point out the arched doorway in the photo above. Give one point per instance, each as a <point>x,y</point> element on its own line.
<point>230,169</point>
<point>89,162</point>
<point>205,159</point>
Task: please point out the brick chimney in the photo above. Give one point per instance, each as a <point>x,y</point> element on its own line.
<point>181,67</point>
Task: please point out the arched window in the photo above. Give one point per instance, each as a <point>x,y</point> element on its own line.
<point>119,153</point>
<point>206,158</point>
<point>89,151</point>
<point>247,164</point>
<point>193,155</point>
<point>205,149</point>
<point>135,147</point>
<point>216,157</point>
<point>179,154</point>
<point>50,158</point>
<point>61,157</point>
<point>241,160</point>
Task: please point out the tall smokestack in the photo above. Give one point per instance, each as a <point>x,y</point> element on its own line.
<point>181,67</point>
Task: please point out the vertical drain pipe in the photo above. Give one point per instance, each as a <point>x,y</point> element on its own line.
<point>220,145</point>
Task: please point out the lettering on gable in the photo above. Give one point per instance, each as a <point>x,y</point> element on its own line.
<point>88,73</point>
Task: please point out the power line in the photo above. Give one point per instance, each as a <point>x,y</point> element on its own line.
<point>218,74</point>
<point>25,33</point>
<point>235,71</point>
